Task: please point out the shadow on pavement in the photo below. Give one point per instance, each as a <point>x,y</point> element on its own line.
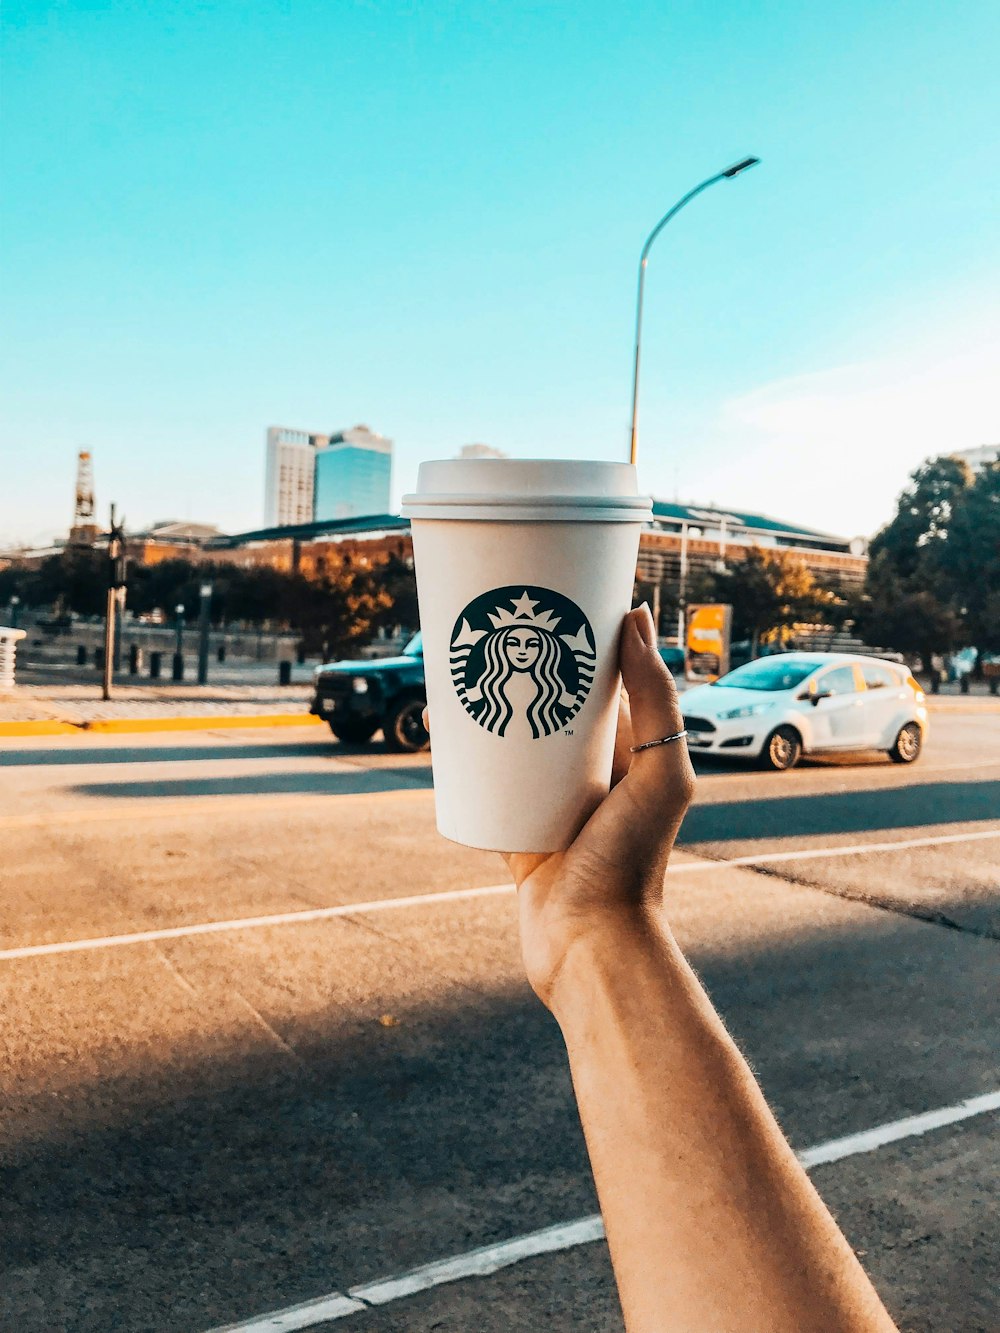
<point>831,813</point>
<point>359,780</point>
<point>216,1179</point>
<point>321,747</point>
<point>766,817</point>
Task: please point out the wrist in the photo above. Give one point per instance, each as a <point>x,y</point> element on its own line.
<point>610,948</point>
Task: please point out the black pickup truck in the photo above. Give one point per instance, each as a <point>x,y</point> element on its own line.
<point>387,693</point>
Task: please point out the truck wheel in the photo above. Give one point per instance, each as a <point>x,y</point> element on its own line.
<point>404,727</point>
<point>353,730</point>
<point>781,749</point>
<point>906,746</point>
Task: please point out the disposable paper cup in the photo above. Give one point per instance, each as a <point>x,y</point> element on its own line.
<point>524,572</point>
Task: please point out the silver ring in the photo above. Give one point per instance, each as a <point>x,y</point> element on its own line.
<point>650,745</point>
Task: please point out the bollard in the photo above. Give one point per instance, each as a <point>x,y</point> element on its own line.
<point>99,659</point>
<point>81,654</point>
<point>177,670</point>
<point>964,687</point>
<point>220,652</point>
<point>300,655</point>
<point>155,665</point>
<point>284,673</point>
<point>134,659</point>
<point>935,682</point>
<point>994,682</point>
<point>9,639</point>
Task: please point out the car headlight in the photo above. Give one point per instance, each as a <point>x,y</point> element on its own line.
<point>359,685</point>
<point>748,710</point>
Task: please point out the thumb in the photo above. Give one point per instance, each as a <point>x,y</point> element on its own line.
<point>662,776</point>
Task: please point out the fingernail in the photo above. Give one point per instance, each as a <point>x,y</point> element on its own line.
<point>644,624</point>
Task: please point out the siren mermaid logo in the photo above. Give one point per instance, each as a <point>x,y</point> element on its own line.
<point>522,657</point>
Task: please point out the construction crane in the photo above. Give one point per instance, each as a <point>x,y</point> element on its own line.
<point>84,530</point>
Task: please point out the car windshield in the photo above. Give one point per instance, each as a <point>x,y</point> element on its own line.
<point>415,648</point>
<point>770,673</point>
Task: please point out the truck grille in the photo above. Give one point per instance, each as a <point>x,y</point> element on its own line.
<point>334,686</point>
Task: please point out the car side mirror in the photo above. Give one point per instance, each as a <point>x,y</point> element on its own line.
<point>819,696</point>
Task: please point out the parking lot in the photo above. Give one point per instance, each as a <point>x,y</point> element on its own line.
<point>267,1042</point>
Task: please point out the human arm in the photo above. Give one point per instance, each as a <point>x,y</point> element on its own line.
<point>712,1223</point>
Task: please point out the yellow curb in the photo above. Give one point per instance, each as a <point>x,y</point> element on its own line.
<point>38,728</point>
<point>137,724</point>
<point>119,724</point>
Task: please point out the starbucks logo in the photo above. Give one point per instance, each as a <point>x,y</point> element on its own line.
<point>522,658</point>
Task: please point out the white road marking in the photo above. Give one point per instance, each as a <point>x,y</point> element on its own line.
<point>252,922</point>
<point>853,849</point>
<point>909,1127</point>
<point>567,1235</point>
<point>456,895</point>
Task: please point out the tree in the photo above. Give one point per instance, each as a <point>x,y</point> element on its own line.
<point>902,615</point>
<point>337,613</point>
<point>74,580</point>
<point>399,583</point>
<point>913,538</point>
<point>969,561</point>
<point>769,590</point>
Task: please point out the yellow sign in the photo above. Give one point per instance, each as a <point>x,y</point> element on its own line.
<point>707,646</point>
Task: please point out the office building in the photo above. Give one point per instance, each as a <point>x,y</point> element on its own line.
<point>353,475</point>
<point>291,466</point>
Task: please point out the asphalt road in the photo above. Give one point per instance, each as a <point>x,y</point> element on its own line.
<point>200,1128</point>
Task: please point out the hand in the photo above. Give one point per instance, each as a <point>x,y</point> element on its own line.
<point>611,879</point>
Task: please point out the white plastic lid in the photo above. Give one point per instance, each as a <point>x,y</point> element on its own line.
<point>528,490</point>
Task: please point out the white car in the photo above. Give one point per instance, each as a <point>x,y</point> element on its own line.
<point>778,708</point>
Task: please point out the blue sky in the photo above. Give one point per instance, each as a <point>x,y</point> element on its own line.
<point>219,216</point>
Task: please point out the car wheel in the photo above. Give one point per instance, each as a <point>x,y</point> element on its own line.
<point>906,747</point>
<point>404,728</point>
<point>353,730</point>
<point>781,749</point>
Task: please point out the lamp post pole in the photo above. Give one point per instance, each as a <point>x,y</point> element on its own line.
<point>728,174</point>
<point>178,664</point>
<point>204,612</point>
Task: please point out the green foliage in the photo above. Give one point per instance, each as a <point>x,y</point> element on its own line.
<point>968,563</point>
<point>399,583</point>
<point>336,613</point>
<point>769,590</point>
<point>907,615</point>
<point>912,540</point>
<point>74,580</point>
<point>933,581</point>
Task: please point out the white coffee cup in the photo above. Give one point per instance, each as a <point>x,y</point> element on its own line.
<point>525,570</point>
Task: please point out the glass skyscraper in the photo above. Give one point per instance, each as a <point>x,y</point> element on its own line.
<point>353,475</point>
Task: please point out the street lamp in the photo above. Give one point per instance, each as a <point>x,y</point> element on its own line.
<point>728,174</point>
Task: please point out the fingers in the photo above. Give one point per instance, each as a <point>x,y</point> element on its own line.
<point>663,775</point>
<point>623,741</point>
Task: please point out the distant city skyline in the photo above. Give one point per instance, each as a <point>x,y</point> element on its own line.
<point>446,244</point>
